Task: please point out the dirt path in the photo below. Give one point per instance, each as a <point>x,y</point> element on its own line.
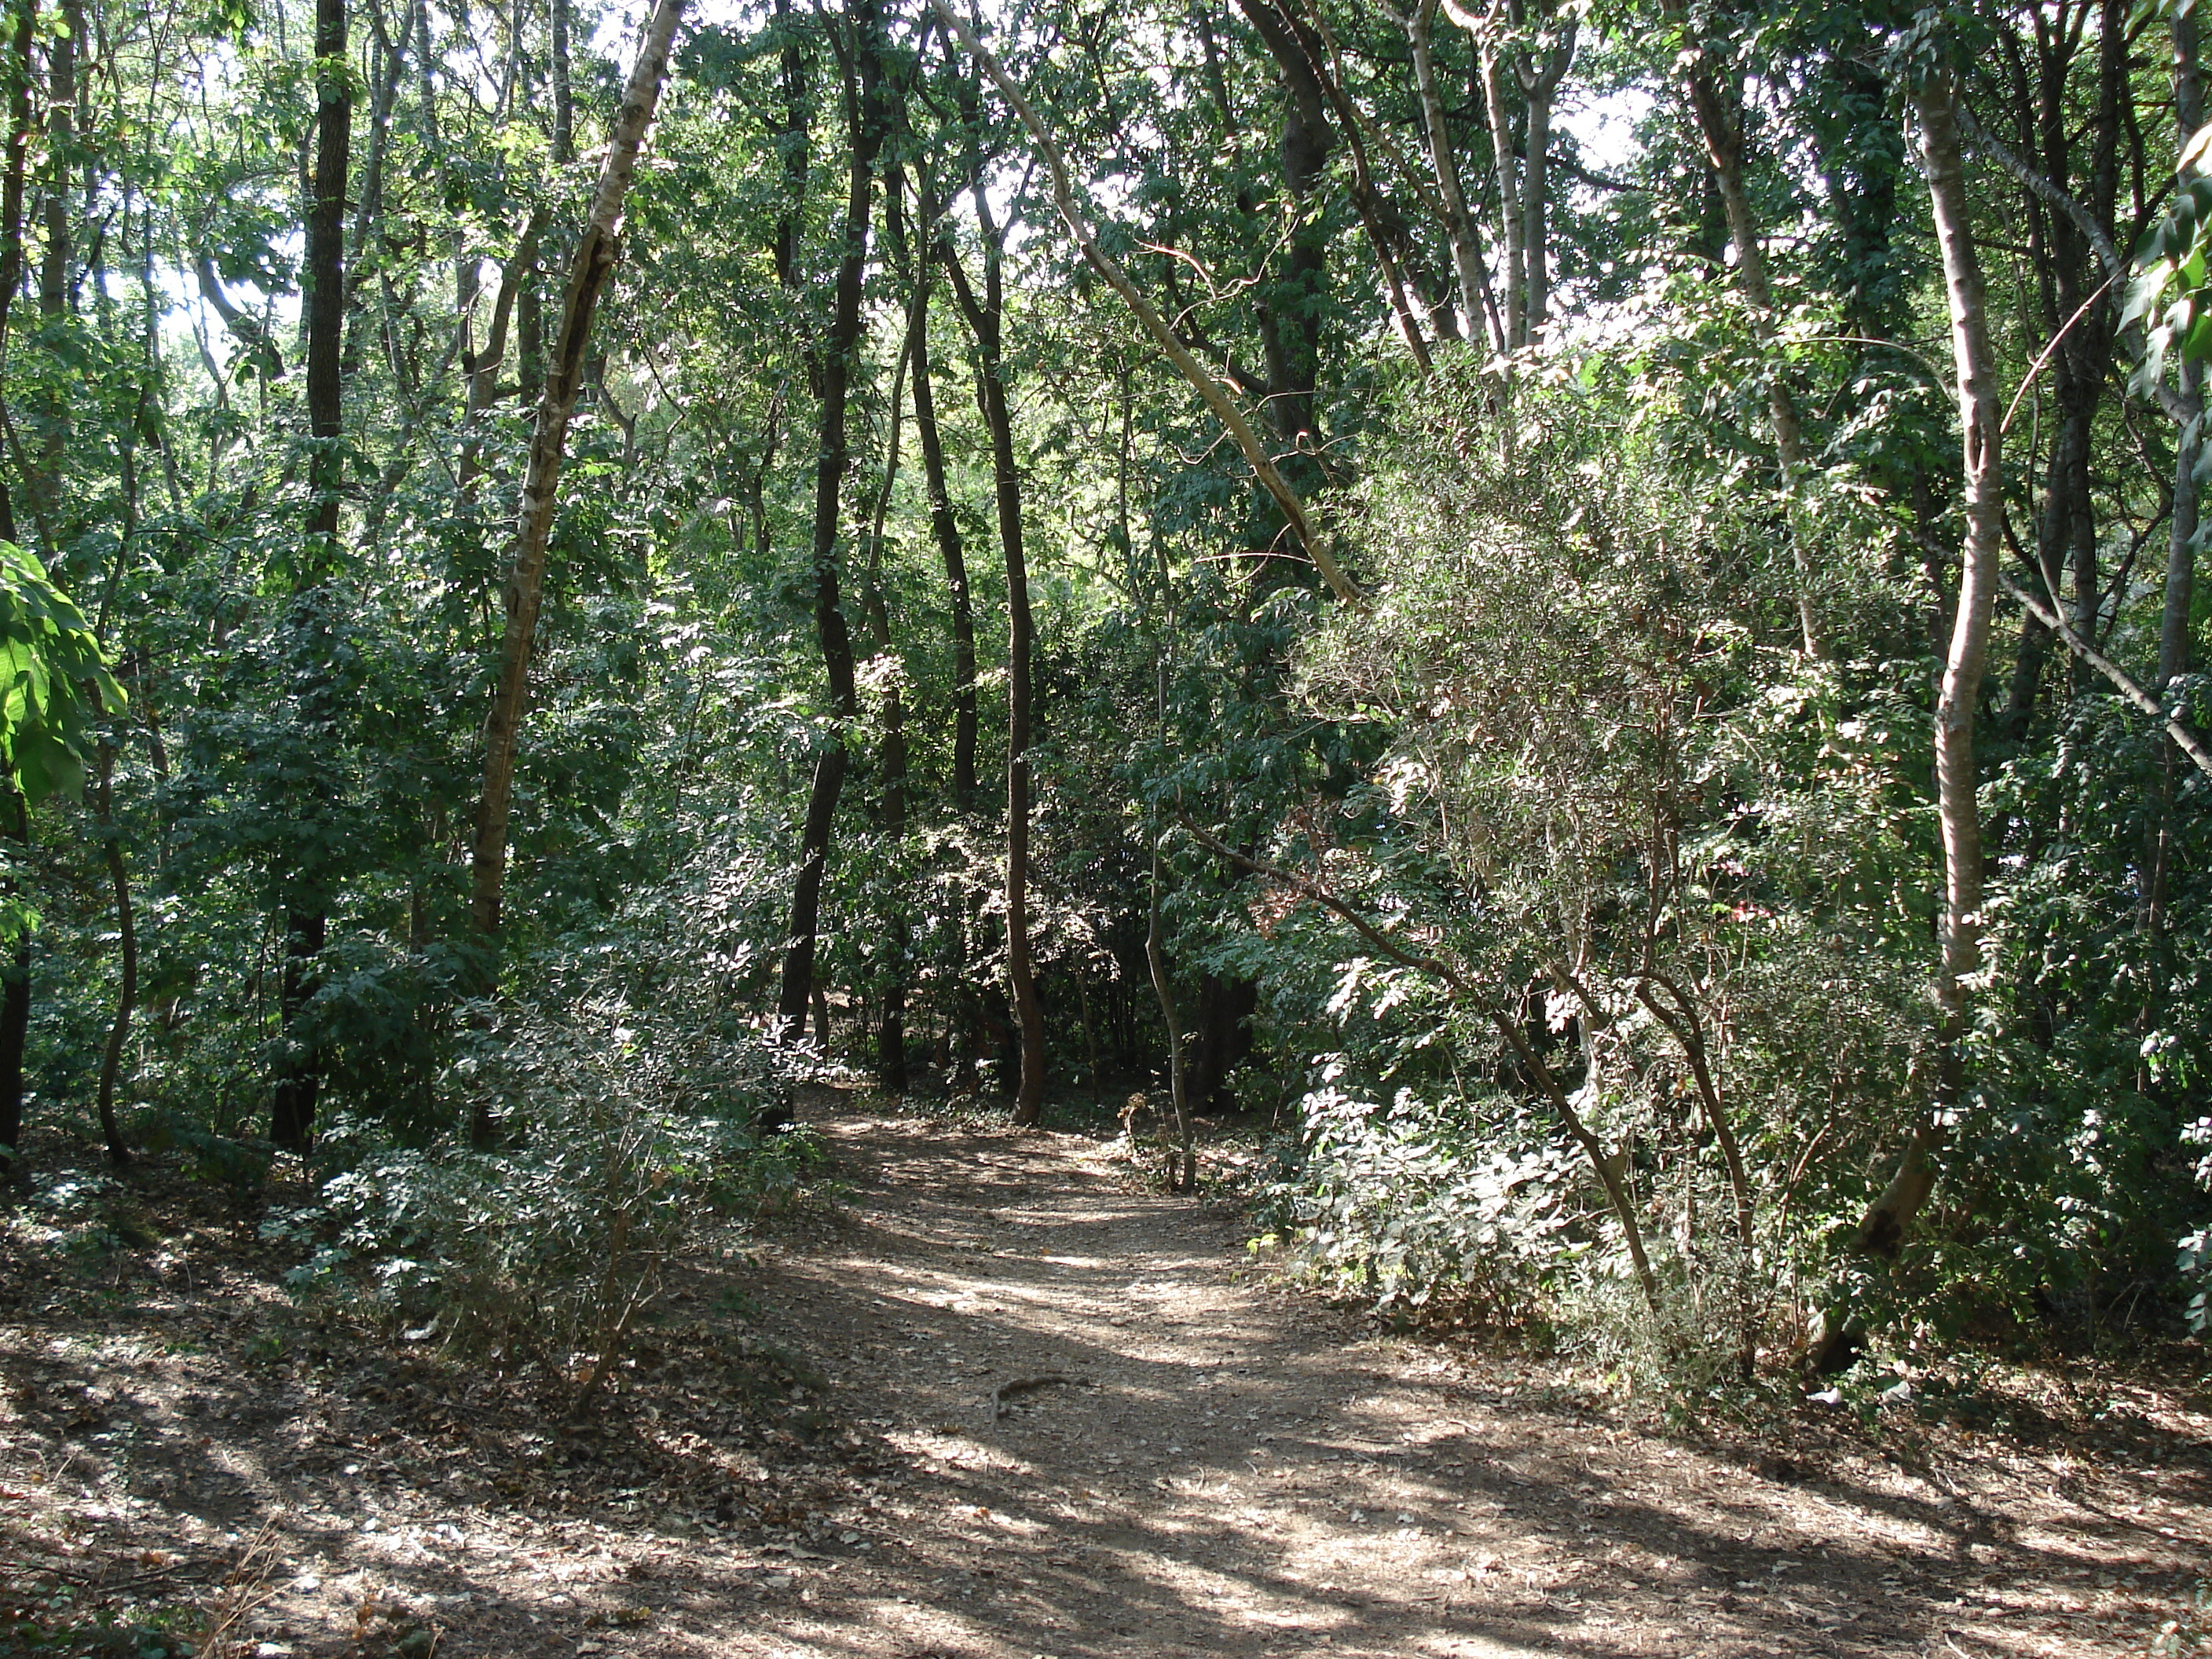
<point>1242,1473</point>
<point>804,1462</point>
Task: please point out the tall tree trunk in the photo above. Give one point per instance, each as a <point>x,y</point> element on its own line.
<point>597,250</point>
<point>1719,115</point>
<point>1291,309</point>
<point>299,1069</point>
<point>1540,87</point>
<point>963,1017</point>
<point>2173,641</point>
<point>14,812</point>
<point>14,988</point>
<point>126,934</point>
<point>1512,223</point>
<point>51,411</point>
<point>834,362</point>
<point>369,216</point>
<point>1320,546</point>
<point>891,1019</point>
<point>945,529</point>
<point>1156,959</point>
<point>986,317</point>
<point>1459,223</point>
<point>1882,1230</point>
<point>564,119</point>
<point>21,133</point>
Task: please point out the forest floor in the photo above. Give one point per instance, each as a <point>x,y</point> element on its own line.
<point>809,1460</point>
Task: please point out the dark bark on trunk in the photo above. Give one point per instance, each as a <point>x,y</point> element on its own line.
<point>2173,641</point>
<point>564,120</point>
<point>1155,960</point>
<point>890,1020</point>
<point>51,411</point>
<point>986,316</point>
<point>946,531</point>
<point>15,997</point>
<point>1222,1042</point>
<point>19,134</point>
<point>298,1078</point>
<point>834,362</point>
<point>1291,311</point>
<point>368,217</point>
<point>126,930</point>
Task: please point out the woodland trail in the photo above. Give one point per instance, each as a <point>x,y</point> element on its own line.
<point>1246,1473</point>
<point>803,1462</point>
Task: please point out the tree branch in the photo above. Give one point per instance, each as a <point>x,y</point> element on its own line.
<point>2185,739</point>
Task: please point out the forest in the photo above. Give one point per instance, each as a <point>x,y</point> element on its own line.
<point>1541,658</point>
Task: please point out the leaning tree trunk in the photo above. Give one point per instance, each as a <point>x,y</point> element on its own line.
<point>597,249</point>
<point>299,1070</point>
<point>1882,1230</point>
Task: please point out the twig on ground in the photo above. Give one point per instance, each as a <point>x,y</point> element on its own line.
<point>1023,1384</point>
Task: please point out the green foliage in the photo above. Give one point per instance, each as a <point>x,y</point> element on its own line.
<point>630,1133</point>
<point>1458,1212</point>
<point>54,681</point>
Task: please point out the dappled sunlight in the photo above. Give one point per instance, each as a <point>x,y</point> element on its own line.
<point>1051,1415</point>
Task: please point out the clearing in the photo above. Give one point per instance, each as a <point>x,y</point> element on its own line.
<point>809,1460</point>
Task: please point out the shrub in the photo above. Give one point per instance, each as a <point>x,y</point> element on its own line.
<point>626,1132</point>
<point>1445,1213</point>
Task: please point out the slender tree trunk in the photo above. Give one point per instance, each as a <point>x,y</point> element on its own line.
<point>14,989</point>
<point>1319,545</point>
<point>51,410</point>
<point>890,1020</point>
<point>126,932</point>
<point>1881,1231</point>
<point>946,530</point>
<point>369,216</point>
<point>1540,87</point>
<point>1156,958</point>
<point>986,318</point>
<point>21,133</point>
<point>1720,124</point>
<point>1090,1033</point>
<point>564,119</point>
<point>2173,641</point>
<point>483,369</point>
<point>834,362</point>
<point>298,1077</point>
<point>963,1017</point>
<point>597,250</point>
<point>1459,222</point>
<point>1511,220</point>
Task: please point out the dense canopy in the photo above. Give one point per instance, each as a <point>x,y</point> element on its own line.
<point>1587,609</point>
